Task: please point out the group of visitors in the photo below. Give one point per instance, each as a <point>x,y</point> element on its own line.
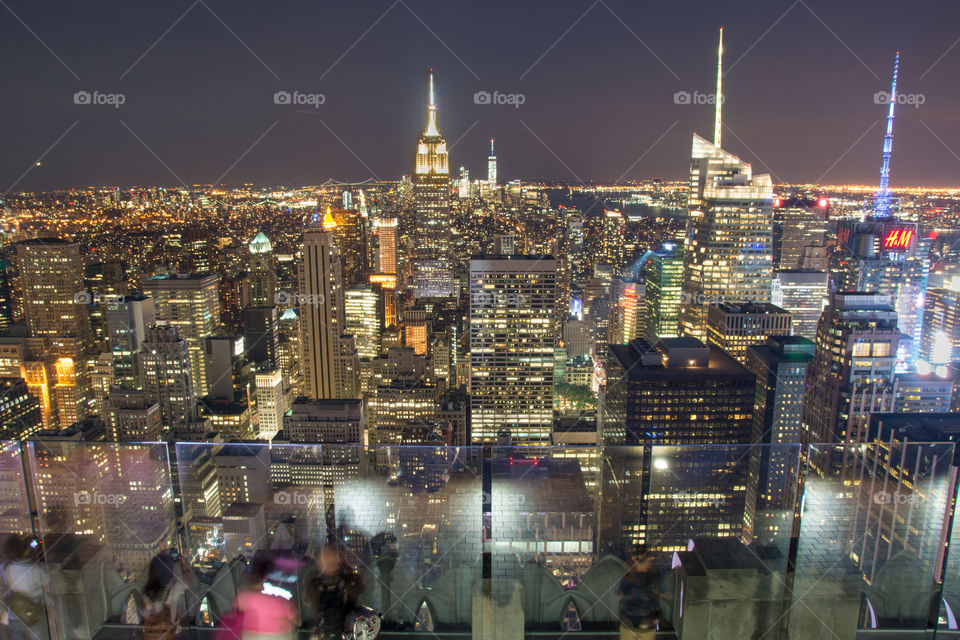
<point>267,611</point>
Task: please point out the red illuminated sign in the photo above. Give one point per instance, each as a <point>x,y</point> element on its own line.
<point>843,235</point>
<point>898,239</point>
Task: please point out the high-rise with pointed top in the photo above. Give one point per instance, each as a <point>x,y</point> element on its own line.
<point>492,166</point>
<point>433,259</point>
<point>729,249</point>
<point>885,202</point>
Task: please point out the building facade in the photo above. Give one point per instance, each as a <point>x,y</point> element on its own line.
<point>512,300</point>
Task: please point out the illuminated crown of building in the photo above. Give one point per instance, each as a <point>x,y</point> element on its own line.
<point>260,244</point>
<point>329,224</point>
<point>432,148</point>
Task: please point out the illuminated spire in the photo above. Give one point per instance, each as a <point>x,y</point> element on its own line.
<point>329,224</point>
<point>718,97</point>
<point>883,194</point>
<point>432,129</point>
<point>491,147</point>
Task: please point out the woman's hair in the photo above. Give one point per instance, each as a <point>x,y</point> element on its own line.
<point>156,583</point>
<point>262,569</point>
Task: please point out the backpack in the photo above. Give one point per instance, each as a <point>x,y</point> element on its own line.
<point>23,607</point>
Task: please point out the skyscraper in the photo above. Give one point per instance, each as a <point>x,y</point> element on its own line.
<point>463,184</point>
<point>128,319</point>
<point>512,300</point>
<point>105,281</point>
<point>926,391</point>
<point>678,391</point>
<point>270,404</point>
<point>55,309</point>
<point>940,342</point>
<point>611,249</point>
<point>53,290</point>
<point>325,369</point>
<point>433,260</point>
<point>222,353</point>
<point>350,233</point>
<point>852,374</point>
<point>262,272</point>
<point>576,247</point>
<point>734,327</point>
<point>729,253</point>
<point>492,166</point>
<point>627,311</point>
<point>363,319</point>
<point>416,330</point>
<point>662,274</point>
<point>6,298</point>
<point>888,256</point>
<point>780,367</point>
<point>386,229</point>
<point>132,416</point>
<point>168,376</point>
<point>20,413</point>
<point>189,302</point>
<point>885,203</point>
<point>675,393</point>
<point>261,336</point>
<point>393,405</point>
<point>798,223</point>
<point>290,352</point>
<point>803,294</point>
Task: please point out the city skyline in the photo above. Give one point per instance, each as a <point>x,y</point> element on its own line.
<point>213,119</point>
<point>686,350</point>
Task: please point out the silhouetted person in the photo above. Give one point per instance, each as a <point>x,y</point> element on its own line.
<point>22,577</point>
<point>266,611</point>
<point>334,592</point>
<point>164,597</point>
<point>639,598</point>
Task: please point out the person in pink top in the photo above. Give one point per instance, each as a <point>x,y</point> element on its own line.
<point>266,611</point>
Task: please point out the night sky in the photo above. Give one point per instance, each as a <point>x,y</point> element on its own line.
<point>199,100</point>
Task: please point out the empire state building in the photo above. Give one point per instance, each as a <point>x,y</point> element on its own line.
<point>433,259</point>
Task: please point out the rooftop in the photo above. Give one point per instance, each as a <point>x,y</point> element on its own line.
<point>749,307</point>
<point>684,357</point>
